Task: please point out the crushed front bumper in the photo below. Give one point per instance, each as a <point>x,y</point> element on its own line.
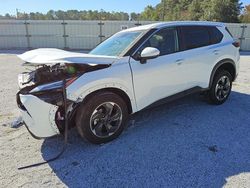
<point>39,116</point>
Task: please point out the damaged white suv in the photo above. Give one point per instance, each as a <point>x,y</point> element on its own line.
<point>133,69</point>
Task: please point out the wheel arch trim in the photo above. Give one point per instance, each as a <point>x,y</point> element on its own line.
<point>113,87</point>
<point>218,65</point>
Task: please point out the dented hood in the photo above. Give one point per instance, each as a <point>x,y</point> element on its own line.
<point>53,56</point>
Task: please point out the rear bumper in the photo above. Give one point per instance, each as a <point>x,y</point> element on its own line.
<point>39,116</point>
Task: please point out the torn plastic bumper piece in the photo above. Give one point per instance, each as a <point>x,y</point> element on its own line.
<point>39,116</point>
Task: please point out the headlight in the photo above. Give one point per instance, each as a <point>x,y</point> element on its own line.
<point>25,79</point>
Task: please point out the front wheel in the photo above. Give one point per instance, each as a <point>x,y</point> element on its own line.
<point>221,87</point>
<point>102,117</point>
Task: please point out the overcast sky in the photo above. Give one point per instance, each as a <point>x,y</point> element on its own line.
<point>9,6</point>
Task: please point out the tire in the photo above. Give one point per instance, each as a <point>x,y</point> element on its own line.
<point>94,117</point>
<point>220,90</point>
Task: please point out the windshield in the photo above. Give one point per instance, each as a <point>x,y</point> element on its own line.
<point>115,45</point>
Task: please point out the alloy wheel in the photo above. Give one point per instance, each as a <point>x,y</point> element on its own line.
<point>106,119</point>
<point>223,88</point>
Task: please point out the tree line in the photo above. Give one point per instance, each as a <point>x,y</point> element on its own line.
<point>211,10</point>
<point>230,11</point>
<point>69,15</point>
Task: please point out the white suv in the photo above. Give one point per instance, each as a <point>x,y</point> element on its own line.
<point>133,69</point>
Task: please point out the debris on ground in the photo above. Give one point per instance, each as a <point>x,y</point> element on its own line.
<point>18,122</point>
<point>213,149</point>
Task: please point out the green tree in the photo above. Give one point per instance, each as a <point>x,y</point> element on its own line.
<point>8,16</point>
<point>195,10</point>
<point>222,10</point>
<point>211,10</point>
<point>149,13</point>
<point>60,15</point>
<point>245,17</point>
<point>135,16</point>
<point>51,15</point>
<point>168,10</point>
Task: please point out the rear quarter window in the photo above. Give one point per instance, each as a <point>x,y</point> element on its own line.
<point>215,35</point>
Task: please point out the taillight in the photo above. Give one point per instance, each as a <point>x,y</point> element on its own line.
<point>70,81</point>
<point>236,44</point>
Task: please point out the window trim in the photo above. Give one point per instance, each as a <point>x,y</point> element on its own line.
<point>181,39</point>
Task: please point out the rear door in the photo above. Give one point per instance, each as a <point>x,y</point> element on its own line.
<point>200,50</point>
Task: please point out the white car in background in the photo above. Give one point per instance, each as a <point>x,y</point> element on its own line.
<point>133,69</point>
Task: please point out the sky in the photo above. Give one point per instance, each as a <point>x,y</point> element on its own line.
<point>10,6</point>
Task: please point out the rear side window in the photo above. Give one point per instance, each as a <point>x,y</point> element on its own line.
<point>215,35</point>
<point>195,37</point>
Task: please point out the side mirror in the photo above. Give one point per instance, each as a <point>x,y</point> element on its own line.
<point>149,53</point>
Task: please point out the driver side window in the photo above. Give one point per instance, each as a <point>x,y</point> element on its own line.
<point>165,40</point>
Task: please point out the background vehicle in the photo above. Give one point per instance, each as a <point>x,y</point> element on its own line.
<point>128,72</point>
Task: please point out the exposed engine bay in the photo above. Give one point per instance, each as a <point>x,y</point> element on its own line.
<point>44,74</point>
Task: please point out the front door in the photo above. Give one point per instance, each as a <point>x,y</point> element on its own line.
<point>163,76</point>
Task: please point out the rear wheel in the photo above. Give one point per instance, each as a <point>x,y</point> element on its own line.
<point>102,117</point>
<point>221,87</point>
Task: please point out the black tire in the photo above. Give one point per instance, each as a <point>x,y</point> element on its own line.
<point>213,94</point>
<point>85,112</point>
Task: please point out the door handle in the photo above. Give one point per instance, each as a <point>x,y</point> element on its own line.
<point>216,52</point>
<point>179,61</point>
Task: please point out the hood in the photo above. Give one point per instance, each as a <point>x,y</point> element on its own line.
<point>52,56</point>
